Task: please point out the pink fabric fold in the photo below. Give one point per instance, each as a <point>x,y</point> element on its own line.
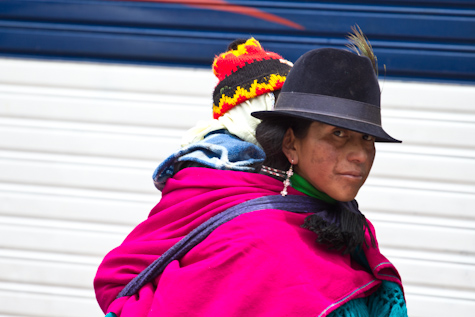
<point>259,264</point>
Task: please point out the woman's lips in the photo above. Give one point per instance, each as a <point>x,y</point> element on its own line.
<point>352,175</point>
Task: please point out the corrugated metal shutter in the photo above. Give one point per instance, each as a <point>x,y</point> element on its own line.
<point>78,146</point>
<point>79,143</point>
<point>430,40</point>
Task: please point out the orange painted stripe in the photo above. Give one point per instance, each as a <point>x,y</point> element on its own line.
<point>221,5</point>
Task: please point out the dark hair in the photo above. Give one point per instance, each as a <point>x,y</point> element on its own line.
<point>270,134</point>
<point>347,233</point>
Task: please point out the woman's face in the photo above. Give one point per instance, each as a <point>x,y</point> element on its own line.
<point>335,161</point>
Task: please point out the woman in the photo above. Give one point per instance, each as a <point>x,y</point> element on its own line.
<point>305,250</point>
<point>322,132</point>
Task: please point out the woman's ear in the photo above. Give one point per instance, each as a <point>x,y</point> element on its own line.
<point>288,146</point>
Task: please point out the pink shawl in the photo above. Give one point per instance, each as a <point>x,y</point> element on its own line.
<point>259,264</point>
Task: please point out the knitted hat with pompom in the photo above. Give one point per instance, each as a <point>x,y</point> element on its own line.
<point>246,71</point>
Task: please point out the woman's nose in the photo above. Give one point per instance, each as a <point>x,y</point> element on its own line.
<point>358,152</point>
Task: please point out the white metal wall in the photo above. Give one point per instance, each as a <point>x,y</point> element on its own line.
<point>79,143</point>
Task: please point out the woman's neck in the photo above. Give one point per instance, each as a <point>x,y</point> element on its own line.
<point>302,185</point>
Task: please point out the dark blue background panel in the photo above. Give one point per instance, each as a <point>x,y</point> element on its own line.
<point>423,40</point>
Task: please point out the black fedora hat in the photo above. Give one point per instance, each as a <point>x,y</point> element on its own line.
<point>336,87</point>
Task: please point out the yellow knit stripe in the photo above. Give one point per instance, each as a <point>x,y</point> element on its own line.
<point>241,50</point>
<point>248,93</point>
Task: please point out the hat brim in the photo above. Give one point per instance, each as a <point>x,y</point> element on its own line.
<point>353,125</point>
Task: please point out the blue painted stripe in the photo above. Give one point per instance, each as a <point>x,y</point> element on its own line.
<point>424,40</point>
<point>317,18</point>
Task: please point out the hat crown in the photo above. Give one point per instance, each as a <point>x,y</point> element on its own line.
<point>244,54</point>
<point>336,87</point>
<point>336,73</point>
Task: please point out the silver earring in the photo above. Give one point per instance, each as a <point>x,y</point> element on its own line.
<point>289,173</point>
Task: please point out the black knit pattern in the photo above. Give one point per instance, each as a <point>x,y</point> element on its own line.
<point>245,76</point>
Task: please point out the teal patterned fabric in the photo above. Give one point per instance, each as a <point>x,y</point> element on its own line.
<point>111,315</point>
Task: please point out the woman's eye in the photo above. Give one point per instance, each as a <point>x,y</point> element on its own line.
<point>368,137</point>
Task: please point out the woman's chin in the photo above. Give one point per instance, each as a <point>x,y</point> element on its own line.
<point>343,195</point>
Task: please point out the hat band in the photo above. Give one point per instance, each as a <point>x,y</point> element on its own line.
<point>329,106</point>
